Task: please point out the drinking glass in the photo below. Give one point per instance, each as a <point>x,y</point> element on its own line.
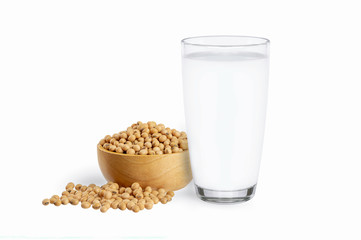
<point>225,81</point>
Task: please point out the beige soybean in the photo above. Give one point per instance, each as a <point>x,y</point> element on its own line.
<point>103,209</point>
<point>121,190</point>
<point>136,148</point>
<point>141,201</point>
<point>135,208</point>
<point>131,151</point>
<point>141,135</point>
<point>143,152</point>
<point>131,138</point>
<point>128,190</point>
<point>115,204</point>
<point>148,144</point>
<point>125,195</point>
<point>161,195</point>
<point>166,142</point>
<point>52,200</point>
<point>96,205</point>
<point>139,196</point>
<point>69,186</point>
<point>91,199</point>
<point>137,135</point>
<point>122,206</point>
<point>65,193</point>
<point>141,206</point>
<point>171,193</point>
<point>156,149</point>
<point>56,197</point>
<point>107,138</point>
<point>148,189</point>
<point>125,147</point>
<point>134,200</point>
<point>130,205</point>
<point>101,142</point>
<point>57,202</point>
<point>106,204</point>
<point>148,205</point>
<point>135,186</point>
<point>65,201</point>
<point>155,200</point>
<point>106,146</point>
<point>111,195</point>
<point>46,202</point>
<point>85,205</point>
<point>74,201</point>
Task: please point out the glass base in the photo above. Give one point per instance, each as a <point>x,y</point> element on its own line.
<point>225,197</point>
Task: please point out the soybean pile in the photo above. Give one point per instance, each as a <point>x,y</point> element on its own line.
<point>111,195</point>
<point>146,139</point>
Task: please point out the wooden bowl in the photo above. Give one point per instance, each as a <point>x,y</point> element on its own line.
<point>169,171</point>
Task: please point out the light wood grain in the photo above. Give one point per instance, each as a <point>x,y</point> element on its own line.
<point>168,171</point>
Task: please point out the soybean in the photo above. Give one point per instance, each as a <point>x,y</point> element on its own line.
<point>149,135</point>
<point>85,205</point>
<point>111,195</point>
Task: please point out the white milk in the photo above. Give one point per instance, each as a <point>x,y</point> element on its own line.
<point>225,104</point>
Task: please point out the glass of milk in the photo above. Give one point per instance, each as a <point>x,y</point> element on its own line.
<point>225,82</point>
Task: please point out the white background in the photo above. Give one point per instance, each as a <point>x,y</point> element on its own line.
<point>73,71</point>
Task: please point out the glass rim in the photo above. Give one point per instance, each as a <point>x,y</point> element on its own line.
<point>264,41</point>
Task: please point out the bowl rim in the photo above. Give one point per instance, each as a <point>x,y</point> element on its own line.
<point>100,147</point>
